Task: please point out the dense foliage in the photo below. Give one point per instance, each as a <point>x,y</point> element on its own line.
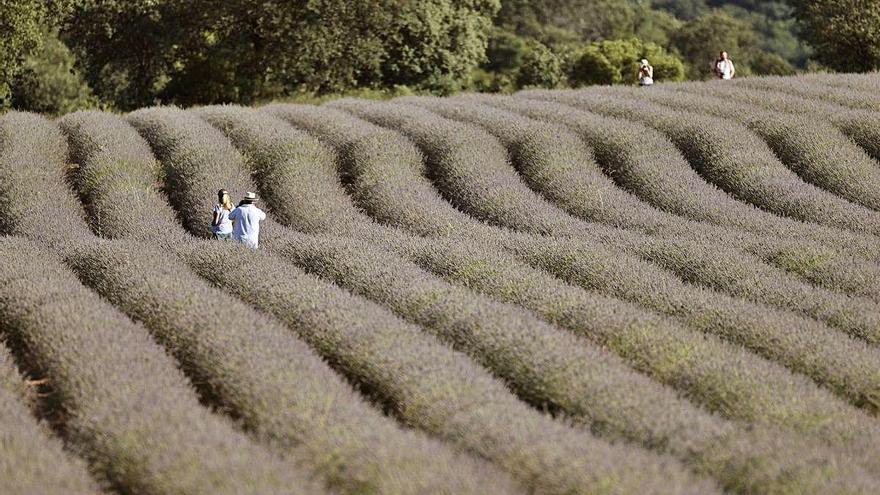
<point>760,35</point>
<point>23,26</point>
<point>214,51</point>
<point>845,33</point>
<point>63,55</point>
<point>48,81</point>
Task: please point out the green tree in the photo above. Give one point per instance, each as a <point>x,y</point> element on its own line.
<point>126,48</point>
<point>21,27</point>
<point>668,67</point>
<point>593,67</point>
<point>593,19</point>
<point>520,16</point>
<point>844,33</point>
<point>701,40</point>
<point>655,26</point>
<point>764,63</point>
<point>588,19</point>
<point>504,51</point>
<point>683,9</point>
<point>540,67</point>
<point>48,81</point>
<point>204,51</point>
<point>435,44</point>
<point>617,62</point>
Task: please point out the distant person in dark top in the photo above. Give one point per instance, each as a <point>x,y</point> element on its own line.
<point>246,220</point>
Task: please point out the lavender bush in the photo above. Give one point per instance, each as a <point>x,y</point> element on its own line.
<point>266,377</point>
<point>600,317</point>
<point>31,461</point>
<point>612,290</point>
<point>349,332</point>
<point>731,157</point>
<point>326,257</point>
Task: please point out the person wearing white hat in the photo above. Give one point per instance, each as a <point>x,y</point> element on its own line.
<point>646,73</point>
<point>246,218</point>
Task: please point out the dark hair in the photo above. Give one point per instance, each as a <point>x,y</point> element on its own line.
<point>221,192</point>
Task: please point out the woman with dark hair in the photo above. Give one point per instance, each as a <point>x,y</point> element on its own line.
<point>646,73</point>
<point>724,68</point>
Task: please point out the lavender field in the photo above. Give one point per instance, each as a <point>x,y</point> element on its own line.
<point>611,290</point>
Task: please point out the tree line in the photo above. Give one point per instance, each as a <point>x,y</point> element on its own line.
<point>60,55</point>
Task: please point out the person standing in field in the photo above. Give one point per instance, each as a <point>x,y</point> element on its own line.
<point>724,68</point>
<point>646,73</point>
<point>221,225</point>
<point>246,218</point>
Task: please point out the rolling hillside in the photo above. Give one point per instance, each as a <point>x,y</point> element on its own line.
<point>612,290</point>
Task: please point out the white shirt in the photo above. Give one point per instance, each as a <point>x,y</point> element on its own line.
<point>224,224</point>
<point>725,68</point>
<point>247,224</point>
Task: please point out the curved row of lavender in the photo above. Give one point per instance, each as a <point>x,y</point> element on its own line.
<point>609,290</point>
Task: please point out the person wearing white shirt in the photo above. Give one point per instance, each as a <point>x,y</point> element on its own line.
<point>724,68</point>
<point>646,73</point>
<point>221,225</point>
<point>246,220</point>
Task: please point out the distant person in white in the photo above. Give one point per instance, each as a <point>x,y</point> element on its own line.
<point>221,225</point>
<point>246,220</point>
<point>724,68</point>
<point>646,73</point>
